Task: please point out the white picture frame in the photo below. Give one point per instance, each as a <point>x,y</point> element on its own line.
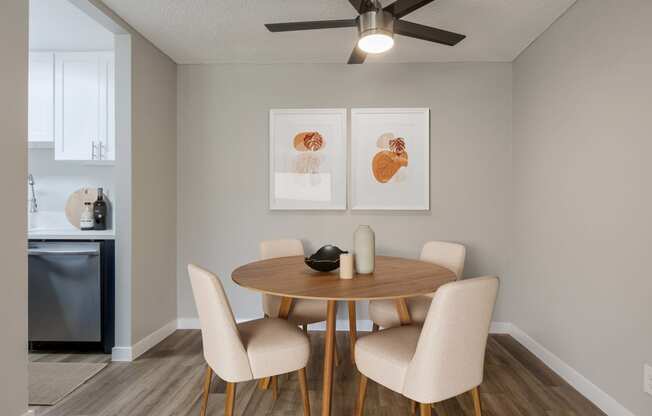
<point>386,173</point>
<point>308,171</point>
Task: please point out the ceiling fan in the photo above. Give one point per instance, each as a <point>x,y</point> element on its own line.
<point>377,26</point>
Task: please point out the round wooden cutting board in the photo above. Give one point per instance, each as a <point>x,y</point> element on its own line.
<point>75,204</point>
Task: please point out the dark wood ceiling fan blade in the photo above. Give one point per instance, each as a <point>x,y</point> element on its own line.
<point>357,56</point>
<point>362,6</point>
<point>432,34</point>
<point>318,24</point>
<point>402,8</point>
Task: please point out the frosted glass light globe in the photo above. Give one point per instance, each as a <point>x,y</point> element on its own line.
<point>376,43</point>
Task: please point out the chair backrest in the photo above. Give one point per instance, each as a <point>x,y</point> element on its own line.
<point>280,248</point>
<point>223,348</point>
<point>272,249</point>
<point>449,358</point>
<point>445,254</point>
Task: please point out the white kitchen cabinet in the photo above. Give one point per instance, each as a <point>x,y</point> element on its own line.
<point>40,131</point>
<point>84,106</point>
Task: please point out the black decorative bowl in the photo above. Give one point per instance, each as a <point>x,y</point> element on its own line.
<point>326,259</point>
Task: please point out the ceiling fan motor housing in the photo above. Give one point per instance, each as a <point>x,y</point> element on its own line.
<point>376,22</point>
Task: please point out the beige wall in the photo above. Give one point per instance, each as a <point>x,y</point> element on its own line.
<point>152,222</point>
<point>13,218</point>
<point>223,177</point>
<point>580,283</point>
<point>154,187</point>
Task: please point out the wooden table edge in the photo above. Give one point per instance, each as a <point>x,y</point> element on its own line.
<point>343,299</point>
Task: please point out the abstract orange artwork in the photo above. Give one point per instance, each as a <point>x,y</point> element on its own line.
<point>387,162</point>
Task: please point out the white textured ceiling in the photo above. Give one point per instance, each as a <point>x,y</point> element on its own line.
<point>227,31</point>
<point>60,25</point>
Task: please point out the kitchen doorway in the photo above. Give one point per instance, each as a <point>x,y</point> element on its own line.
<point>79,187</point>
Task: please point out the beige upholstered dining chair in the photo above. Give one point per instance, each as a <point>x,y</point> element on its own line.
<point>247,351</point>
<point>383,313</point>
<point>440,361</point>
<point>304,311</point>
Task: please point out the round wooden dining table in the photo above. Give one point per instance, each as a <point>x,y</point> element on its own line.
<point>393,278</point>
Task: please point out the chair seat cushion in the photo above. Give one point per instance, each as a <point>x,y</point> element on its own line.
<point>274,346</point>
<point>385,356</point>
<point>384,314</point>
<point>304,311</point>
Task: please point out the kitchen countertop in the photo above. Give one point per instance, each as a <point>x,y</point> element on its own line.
<point>69,234</point>
<point>53,225</point>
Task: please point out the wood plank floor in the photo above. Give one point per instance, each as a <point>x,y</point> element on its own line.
<point>167,381</point>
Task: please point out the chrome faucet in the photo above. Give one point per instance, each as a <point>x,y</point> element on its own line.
<point>33,205</point>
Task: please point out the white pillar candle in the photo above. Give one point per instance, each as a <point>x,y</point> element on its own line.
<point>346,266</point>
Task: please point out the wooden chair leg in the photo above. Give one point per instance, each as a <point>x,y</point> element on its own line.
<point>403,311</point>
<point>353,329</point>
<point>274,387</point>
<point>424,409</point>
<point>413,407</point>
<point>362,393</point>
<point>264,383</point>
<point>229,403</point>
<point>303,384</point>
<point>476,401</point>
<point>375,328</point>
<point>208,377</point>
<point>338,359</point>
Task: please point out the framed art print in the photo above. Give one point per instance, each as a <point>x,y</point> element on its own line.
<point>307,159</point>
<point>390,159</point>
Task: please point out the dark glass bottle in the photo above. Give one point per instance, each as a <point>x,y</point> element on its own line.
<point>99,210</point>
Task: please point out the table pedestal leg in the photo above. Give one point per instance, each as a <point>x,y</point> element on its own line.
<point>403,311</point>
<point>329,346</point>
<point>353,331</point>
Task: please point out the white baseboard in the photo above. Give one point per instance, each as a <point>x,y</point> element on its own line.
<point>142,346</point>
<point>593,393</point>
<point>188,323</point>
<point>501,328</point>
<point>589,390</point>
<point>121,354</point>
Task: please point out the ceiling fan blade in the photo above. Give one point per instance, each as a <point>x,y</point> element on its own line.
<point>432,34</point>
<point>318,24</point>
<point>401,8</point>
<point>357,56</point>
<point>362,6</point>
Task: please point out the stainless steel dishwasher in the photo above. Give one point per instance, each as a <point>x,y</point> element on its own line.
<point>65,292</point>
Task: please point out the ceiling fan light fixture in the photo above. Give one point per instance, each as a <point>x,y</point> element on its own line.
<point>376,41</point>
<point>376,31</point>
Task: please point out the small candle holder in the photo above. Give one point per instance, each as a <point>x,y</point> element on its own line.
<point>346,266</point>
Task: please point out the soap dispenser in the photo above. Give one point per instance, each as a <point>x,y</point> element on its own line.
<point>86,221</point>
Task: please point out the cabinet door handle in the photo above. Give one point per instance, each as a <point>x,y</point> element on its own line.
<point>93,151</point>
<point>100,147</point>
<point>42,252</point>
